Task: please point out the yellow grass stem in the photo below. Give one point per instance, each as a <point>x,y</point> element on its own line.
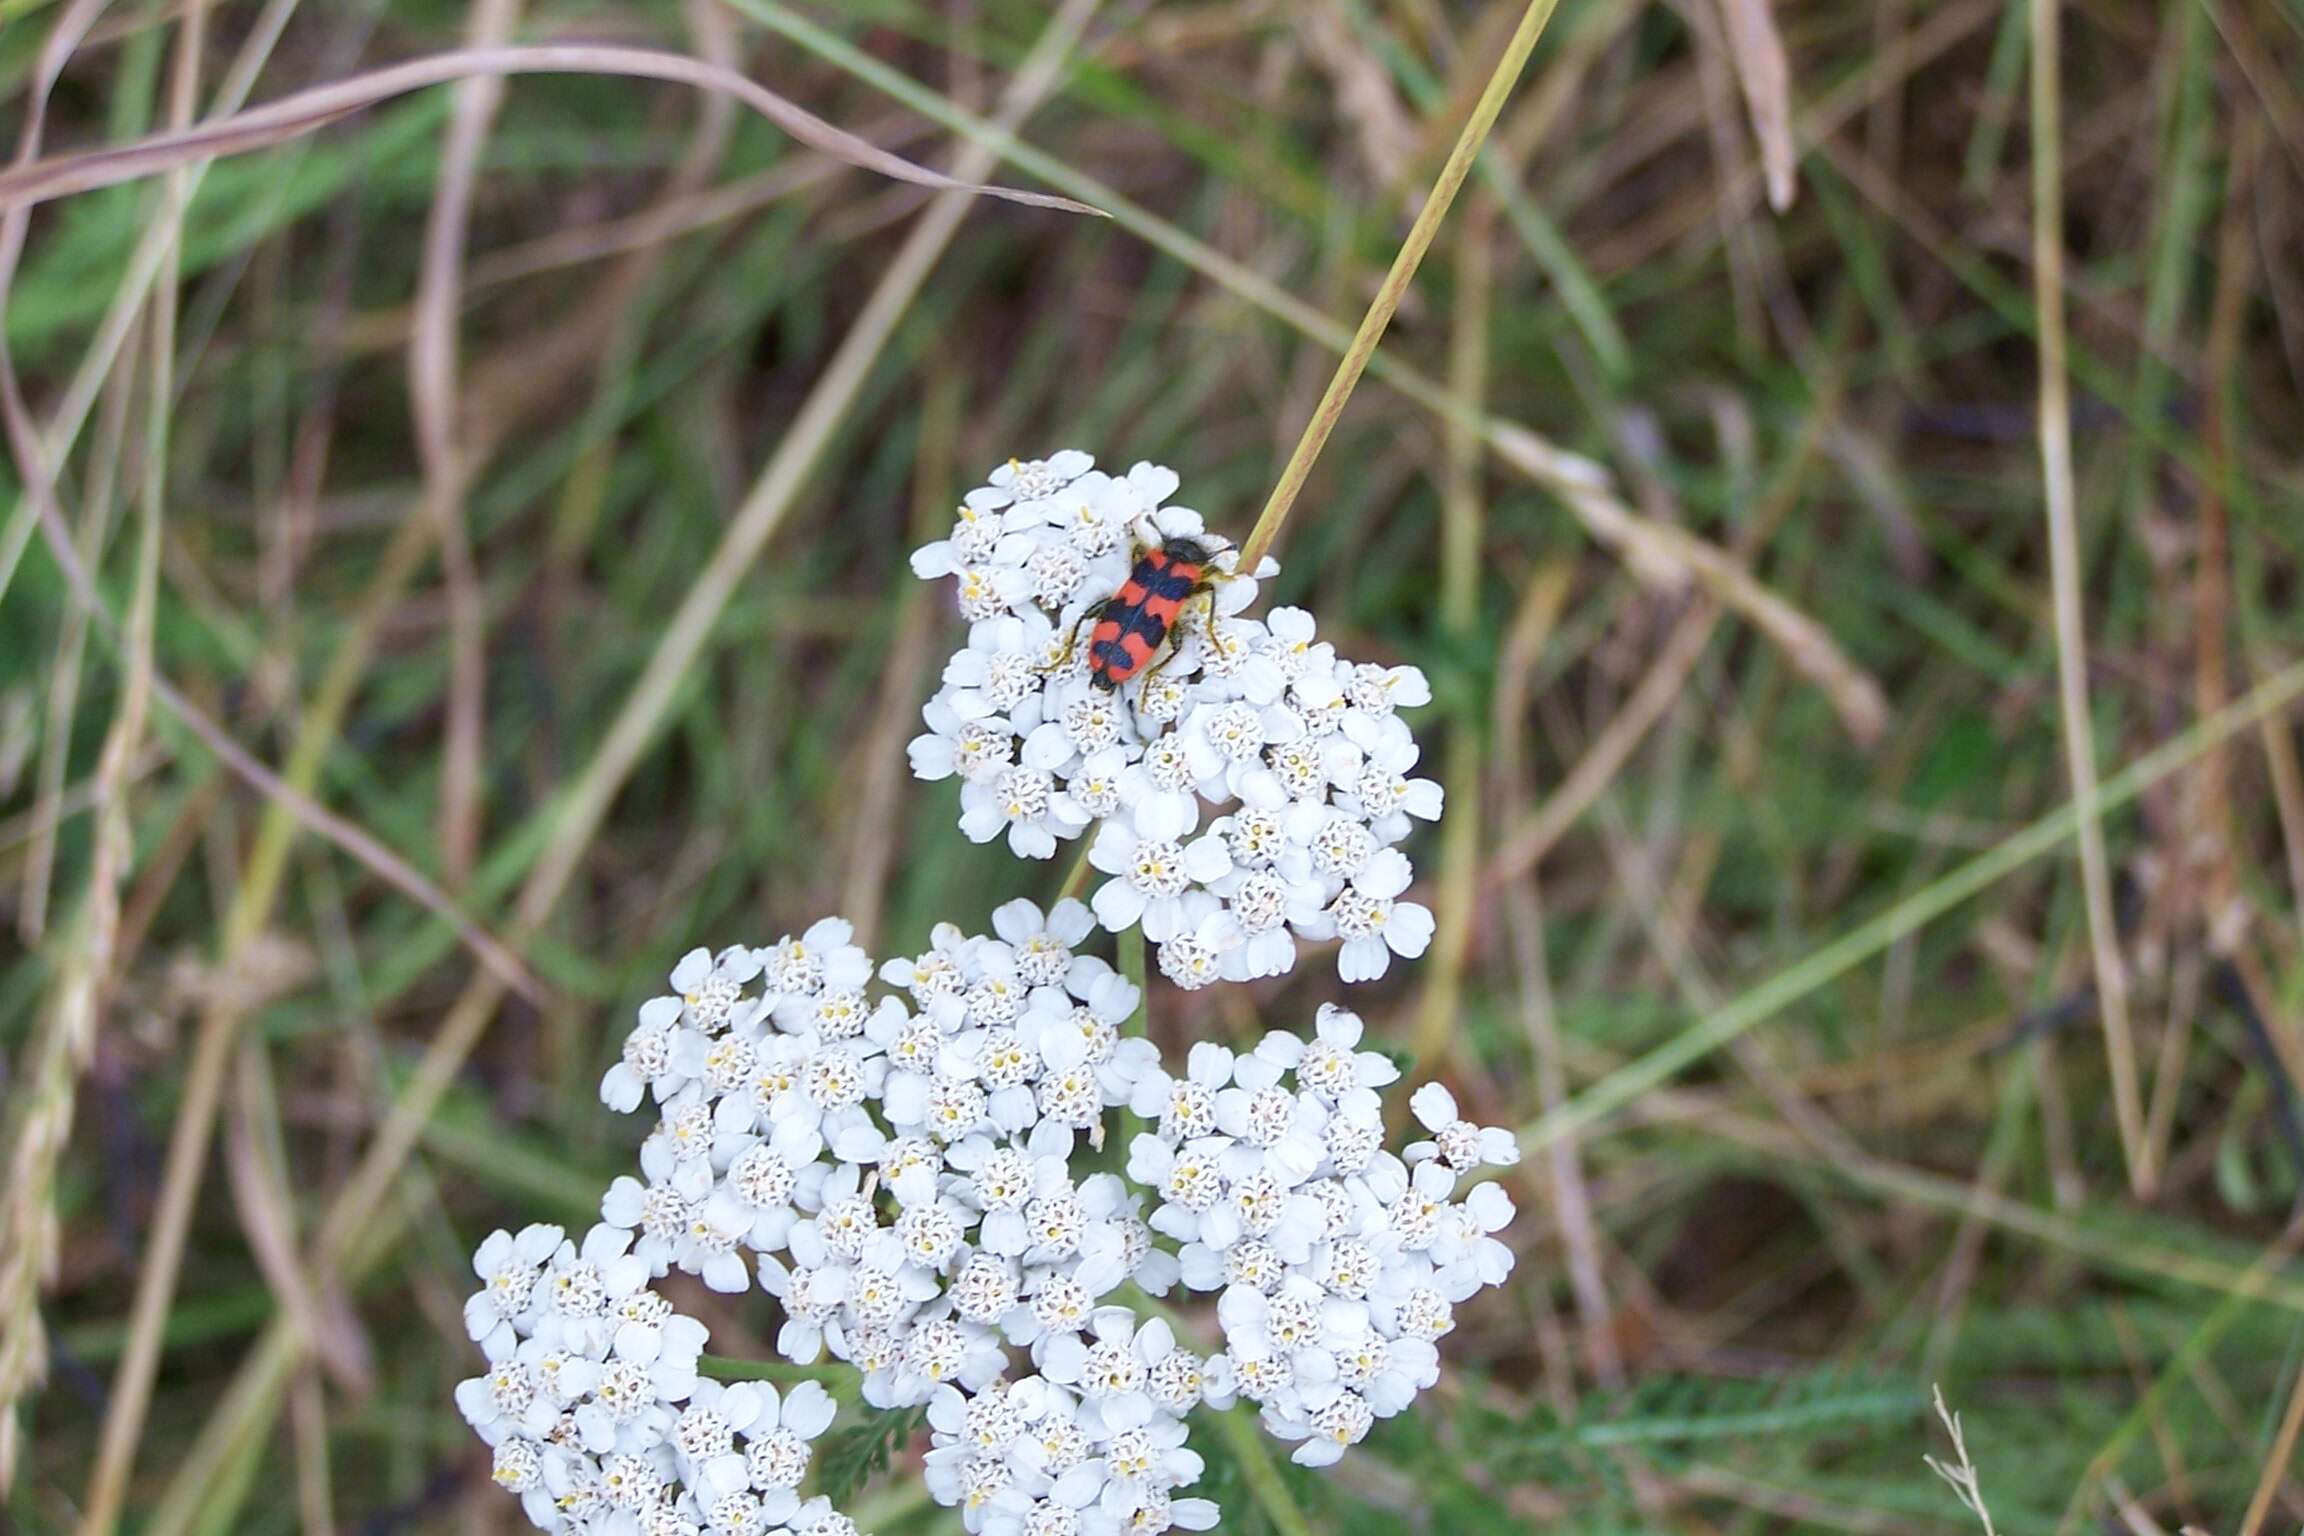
<point>1354,362</point>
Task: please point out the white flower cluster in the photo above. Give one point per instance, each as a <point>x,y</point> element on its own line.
<point>595,1413</point>
<point>906,1155</point>
<point>899,1168</point>
<point>1339,1263</point>
<point>1295,759</point>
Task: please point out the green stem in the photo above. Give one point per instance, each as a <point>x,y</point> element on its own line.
<point>1260,1472</point>
<point>1132,966</point>
<point>730,1368</point>
<point>1076,879</point>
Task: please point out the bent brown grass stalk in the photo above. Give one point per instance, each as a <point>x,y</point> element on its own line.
<point>1463,520</point>
<point>437,403</point>
<point>308,111</point>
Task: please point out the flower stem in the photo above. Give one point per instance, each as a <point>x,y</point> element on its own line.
<point>1395,284</point>
<point>1260,1472</point>
<point>731,1368</point>
<point>1132,966</point>
<point>1076,879</point>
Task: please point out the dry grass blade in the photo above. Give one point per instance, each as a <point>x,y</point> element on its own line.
<point>2276,1464</point>
<point>1765,76</point>
<point>2059,495</point>
<point>432,390</point>
<point>1664,556</point>
<point>306,111</point>
<point>1396,280</point>
<point>164,1248</point>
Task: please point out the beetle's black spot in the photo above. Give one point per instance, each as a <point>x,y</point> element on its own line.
<point>1173,585</point>
<point>1142,621</point>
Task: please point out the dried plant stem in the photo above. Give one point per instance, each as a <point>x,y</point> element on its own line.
<point>67,1040</point>
<point>874,833</point>
<point>164,1249</point>
<point>2064,566</point>
<point>434,396</point>
<point>2277,1463</point>
<point>1354,362</point>
<point>1531,631</point>
<point>1463,517</point>
<point>309,111</point>
<point>255,1395</point>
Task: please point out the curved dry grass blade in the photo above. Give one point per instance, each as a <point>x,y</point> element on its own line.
<point>1663,556</point>
<point>1757,50</point>
<point>307,111</point>
<point>433,393</point>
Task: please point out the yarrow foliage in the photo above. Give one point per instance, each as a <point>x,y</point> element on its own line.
<point>1248,789</point>
<point>909,1156</point>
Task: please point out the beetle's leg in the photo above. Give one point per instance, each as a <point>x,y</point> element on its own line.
<point>1167,654</point>
<point>1087,620</point>
<point>1205,596</point>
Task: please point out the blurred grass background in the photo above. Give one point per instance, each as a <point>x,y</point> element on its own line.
<point>525,473</point>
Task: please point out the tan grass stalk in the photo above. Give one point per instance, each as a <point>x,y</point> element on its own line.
<point>2064,576</point>
<point>131,1387</point>
<point>1765,75</point>
<point>1354,362</point>
<point>1463,522</point>
<point>435,401</point>
<point>2277,1463</point>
